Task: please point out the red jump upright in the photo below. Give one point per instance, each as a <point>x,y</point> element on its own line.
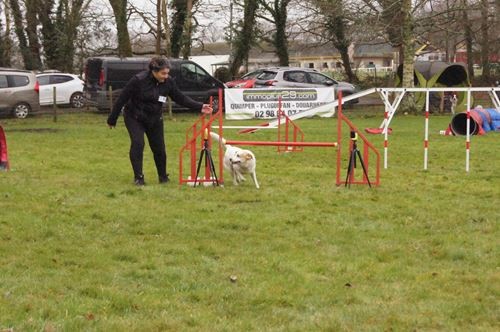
<point>4,157</point>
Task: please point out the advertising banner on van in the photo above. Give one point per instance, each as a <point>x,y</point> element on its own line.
<point>243,104</point>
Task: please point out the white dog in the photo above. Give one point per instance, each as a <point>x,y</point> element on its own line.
<point>238,161</point>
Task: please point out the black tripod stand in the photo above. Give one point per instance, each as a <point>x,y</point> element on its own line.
<point>352,161</point>
<point>205,152</point>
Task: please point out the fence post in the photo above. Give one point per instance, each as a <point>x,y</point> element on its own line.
<point>170,115</point>
<point>86,102</point>
<point>110,91</point>
<point>54,96</point>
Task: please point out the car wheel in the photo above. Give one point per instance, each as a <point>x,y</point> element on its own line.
<point>22,110</point>
<point>77,100</point>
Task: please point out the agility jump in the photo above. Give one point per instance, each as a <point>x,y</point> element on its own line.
<point>290,138</point>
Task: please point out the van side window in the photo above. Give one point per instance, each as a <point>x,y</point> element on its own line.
<point>192,72</point>
<point>3,82</point>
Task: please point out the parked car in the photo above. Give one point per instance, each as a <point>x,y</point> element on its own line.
<point>18,92</point>
<point>291,77</point>
<point>101,73</point>
<point>69,89</point>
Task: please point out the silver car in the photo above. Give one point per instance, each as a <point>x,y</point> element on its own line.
<point>295,77</point>
<point>18,92</point>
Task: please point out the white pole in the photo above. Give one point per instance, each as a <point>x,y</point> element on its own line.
<point>395,106</point>
<point>495,100</point>
<point>385,99</point>
<point>386,132</point>
<point>467,139</point>
<point>426,138</point>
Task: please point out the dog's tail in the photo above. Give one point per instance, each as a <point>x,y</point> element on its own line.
<point>218,139</point>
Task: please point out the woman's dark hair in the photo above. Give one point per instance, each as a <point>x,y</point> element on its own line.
<point>158,63</point>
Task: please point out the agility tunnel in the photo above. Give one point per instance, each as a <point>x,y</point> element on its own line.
<point>481,121</point>
<point>4,158</point>
<point>429,74</point>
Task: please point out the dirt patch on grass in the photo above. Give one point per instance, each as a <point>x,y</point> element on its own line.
<point>35,130</point>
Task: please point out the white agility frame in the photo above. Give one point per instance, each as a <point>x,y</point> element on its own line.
<point>391,108</point>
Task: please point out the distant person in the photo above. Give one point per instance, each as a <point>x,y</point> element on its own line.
<point>142,101</point>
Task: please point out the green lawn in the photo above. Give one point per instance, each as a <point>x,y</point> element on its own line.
<point>81,248</point>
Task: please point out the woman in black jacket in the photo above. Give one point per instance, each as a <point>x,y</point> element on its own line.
<point>142,101</point>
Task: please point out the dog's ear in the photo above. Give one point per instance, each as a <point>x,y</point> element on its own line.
<point>248,156</point>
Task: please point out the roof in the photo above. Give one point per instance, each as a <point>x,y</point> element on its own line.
<point>298,50</point>
<point>15,70</point>
<point>367,50</point>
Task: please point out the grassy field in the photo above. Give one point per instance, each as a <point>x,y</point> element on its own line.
<point>81,248</point>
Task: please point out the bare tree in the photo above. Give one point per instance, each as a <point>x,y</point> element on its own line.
<point>469,39</point>
<point>28,58</point>
<point>244,36</point>
<point>166,27</point>
<point>158,26</point>
<point>334,25</point>
<point>60,31</point>
<point>278,11</point>
<point>407,42</point>
<point>32,33</point>
<point>2,43</point>
<point>154,26</point>
<point>120,11</point>
<point>95,36</point>
<point>7,41</point>
<point>485,39</point>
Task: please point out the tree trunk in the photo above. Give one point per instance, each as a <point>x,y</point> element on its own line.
<point>7,40</point>
<point>346,62</point>
<point>485,41</point>
<point>158,26</point>
<point>120,11</point>
<point>2,43</point>
<point>23,43</point>
<point>49,37</point>
<point>187,31</point>
<point>469,39</point>
<point>244,38</point>
<point>166,27</point>
<point>31,30</point>
<point>408,42</point>
<point>178,20</point>
<point>337,27</point>
<point>280,38</point>
<point>73,20</point>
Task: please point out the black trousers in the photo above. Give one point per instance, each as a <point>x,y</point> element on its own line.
<point>154,132</point>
